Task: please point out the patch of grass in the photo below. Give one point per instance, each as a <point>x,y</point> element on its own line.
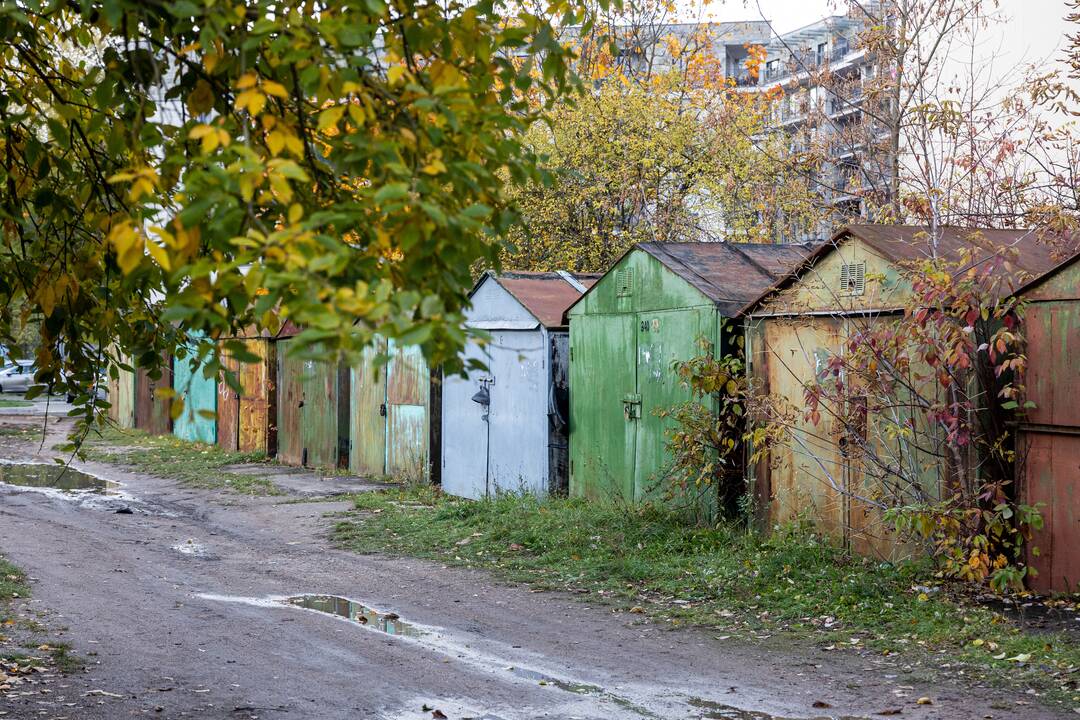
<point>63,659</point>
<point>13,587</point>
<point>793,584</point>
<point>12,582</point>
<point>7,402</point>
<point>20,431</point>
<point>194,464</point>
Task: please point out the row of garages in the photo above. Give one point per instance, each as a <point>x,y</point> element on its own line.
<point>517,427</point>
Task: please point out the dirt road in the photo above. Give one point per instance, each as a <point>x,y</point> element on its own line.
<point>181,603</point>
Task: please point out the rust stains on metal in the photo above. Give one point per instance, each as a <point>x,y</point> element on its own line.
<point>228,405</point>
<point>309,426</point>
<point>1048,441</point>
<point>122,397</point>
<point>626,332</point>
<point>729,274</point>
<point>546,295</point>
<point>247,419</point>
<point>152,412</point>
<point>903,244</point>
<point>258,400</point>
<point>389,418</point>
<point>290,450</point>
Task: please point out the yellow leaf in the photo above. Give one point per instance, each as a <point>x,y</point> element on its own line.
<point>177,408</point>
<point>275,141</point>
<point>251,100</point>
<point>294,144</point>
<point>296,213</point>
<point>275,88</point>
<point>435,167</point>
<point>330,117</point>
<point>247,80</point>
<point>129,246</point>
<point>356,114</point>
<point>209,142</point>
<point>396,74</point>
<point>247,187</point>
<point>444,75</point>
<point>46,298</point>
<point>160,256</point>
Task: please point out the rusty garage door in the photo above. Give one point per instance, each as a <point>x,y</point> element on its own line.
<point>246,419</point>
<point>310,430</point>
<point>390,417</point>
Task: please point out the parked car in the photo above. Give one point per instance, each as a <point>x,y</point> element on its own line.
<point>17,377</point>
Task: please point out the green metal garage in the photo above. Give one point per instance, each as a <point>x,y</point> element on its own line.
<point>647,312</point>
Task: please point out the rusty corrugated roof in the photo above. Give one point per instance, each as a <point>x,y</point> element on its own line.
<point>729,274</point>
<point>546,295</point>
<point>907,243</point>
<point>288,329</point>
<point>903,243</point>
<point>1039,280</point>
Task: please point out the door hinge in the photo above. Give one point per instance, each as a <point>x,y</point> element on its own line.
<point>571,354</point>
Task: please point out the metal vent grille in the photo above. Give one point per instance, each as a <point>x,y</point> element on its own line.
<point>853,278</point>
<point>624,282</point>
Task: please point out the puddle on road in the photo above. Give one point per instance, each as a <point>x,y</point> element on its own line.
<point>576,688</point>
<point>388,623</point>
<point>579,688</point>
<point>432,637</point>
<point>57,477</point>
<point>718,711</point>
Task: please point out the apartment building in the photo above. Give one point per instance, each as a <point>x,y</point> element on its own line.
<point>823,70</point>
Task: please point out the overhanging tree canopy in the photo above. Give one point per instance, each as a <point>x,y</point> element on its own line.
<point>221,165</point>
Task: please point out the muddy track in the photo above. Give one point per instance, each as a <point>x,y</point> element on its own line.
<point>185,602</point>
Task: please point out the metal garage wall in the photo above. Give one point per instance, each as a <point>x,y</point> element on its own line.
<point>197,423</point>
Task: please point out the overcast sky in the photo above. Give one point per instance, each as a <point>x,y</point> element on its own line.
<point>1034,30</point>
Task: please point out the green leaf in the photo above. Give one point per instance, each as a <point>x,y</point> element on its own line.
<point>391,191</point>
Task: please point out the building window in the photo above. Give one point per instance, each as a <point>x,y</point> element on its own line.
<point>624,282</point>
<point>853,278</point>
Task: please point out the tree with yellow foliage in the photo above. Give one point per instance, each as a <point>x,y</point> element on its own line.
<point>214,166</point>
<point>666,150</point>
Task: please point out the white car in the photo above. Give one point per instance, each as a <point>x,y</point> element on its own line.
<point>17,377</point>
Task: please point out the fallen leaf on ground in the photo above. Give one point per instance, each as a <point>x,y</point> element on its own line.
<point>102,693</point>
<point>637,610</point>
<point>821,704</point>
<point>924,701</point>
